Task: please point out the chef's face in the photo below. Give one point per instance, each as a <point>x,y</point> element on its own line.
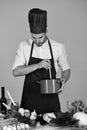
<point>39,39</point>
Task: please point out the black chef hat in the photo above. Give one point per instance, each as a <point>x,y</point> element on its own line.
<point>37,19</point>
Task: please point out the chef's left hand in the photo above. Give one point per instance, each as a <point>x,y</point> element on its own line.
<point>61,90</point>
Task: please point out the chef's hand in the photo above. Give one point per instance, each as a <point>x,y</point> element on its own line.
<point>44,64</point>
<point>61,90</point>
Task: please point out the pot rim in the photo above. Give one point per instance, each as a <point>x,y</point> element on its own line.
<point>51,79</point>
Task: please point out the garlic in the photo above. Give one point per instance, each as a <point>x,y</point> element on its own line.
<point>14,127</point>
<point>18,127</point>
<point>9,127</point>
<point>26,113</point>
<point>5,128</point>
<point>22,126</point>
<point>21,111</point>
<point>38,124</point>
<point>27,127</point>
<point>33,115</point>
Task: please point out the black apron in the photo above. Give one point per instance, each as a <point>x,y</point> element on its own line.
<point>32,98</point>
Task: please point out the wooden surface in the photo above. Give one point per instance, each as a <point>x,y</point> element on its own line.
<point>39,127</point>
<point>52,128</point>
<point>55,128</point>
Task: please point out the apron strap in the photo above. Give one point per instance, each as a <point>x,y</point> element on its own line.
<point>31,49</point>
<point>51,51</point>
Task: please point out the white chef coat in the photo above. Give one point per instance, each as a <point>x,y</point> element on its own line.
<point>43,52</point>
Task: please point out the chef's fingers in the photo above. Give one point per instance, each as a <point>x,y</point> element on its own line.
<point>61,90</point>
<point>45,64</point>
<point>63,81</point>
<point>46,60</point>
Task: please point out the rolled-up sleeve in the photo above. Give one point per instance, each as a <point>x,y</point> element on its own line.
<point>19,58</point>
<point>62,61</point>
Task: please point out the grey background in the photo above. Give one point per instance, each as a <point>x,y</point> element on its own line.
<point>67,23</point>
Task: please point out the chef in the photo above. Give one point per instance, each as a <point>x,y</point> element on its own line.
<point>34,58</point>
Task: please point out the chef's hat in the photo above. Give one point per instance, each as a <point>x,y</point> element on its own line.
<point>37,19</point>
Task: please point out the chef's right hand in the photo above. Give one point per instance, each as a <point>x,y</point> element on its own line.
<point>44,64</point>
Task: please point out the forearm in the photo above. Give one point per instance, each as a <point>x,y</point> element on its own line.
<point>24,70</point>
<point>65,75</point>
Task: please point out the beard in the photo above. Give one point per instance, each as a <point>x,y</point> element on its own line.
<point>39,44</point>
